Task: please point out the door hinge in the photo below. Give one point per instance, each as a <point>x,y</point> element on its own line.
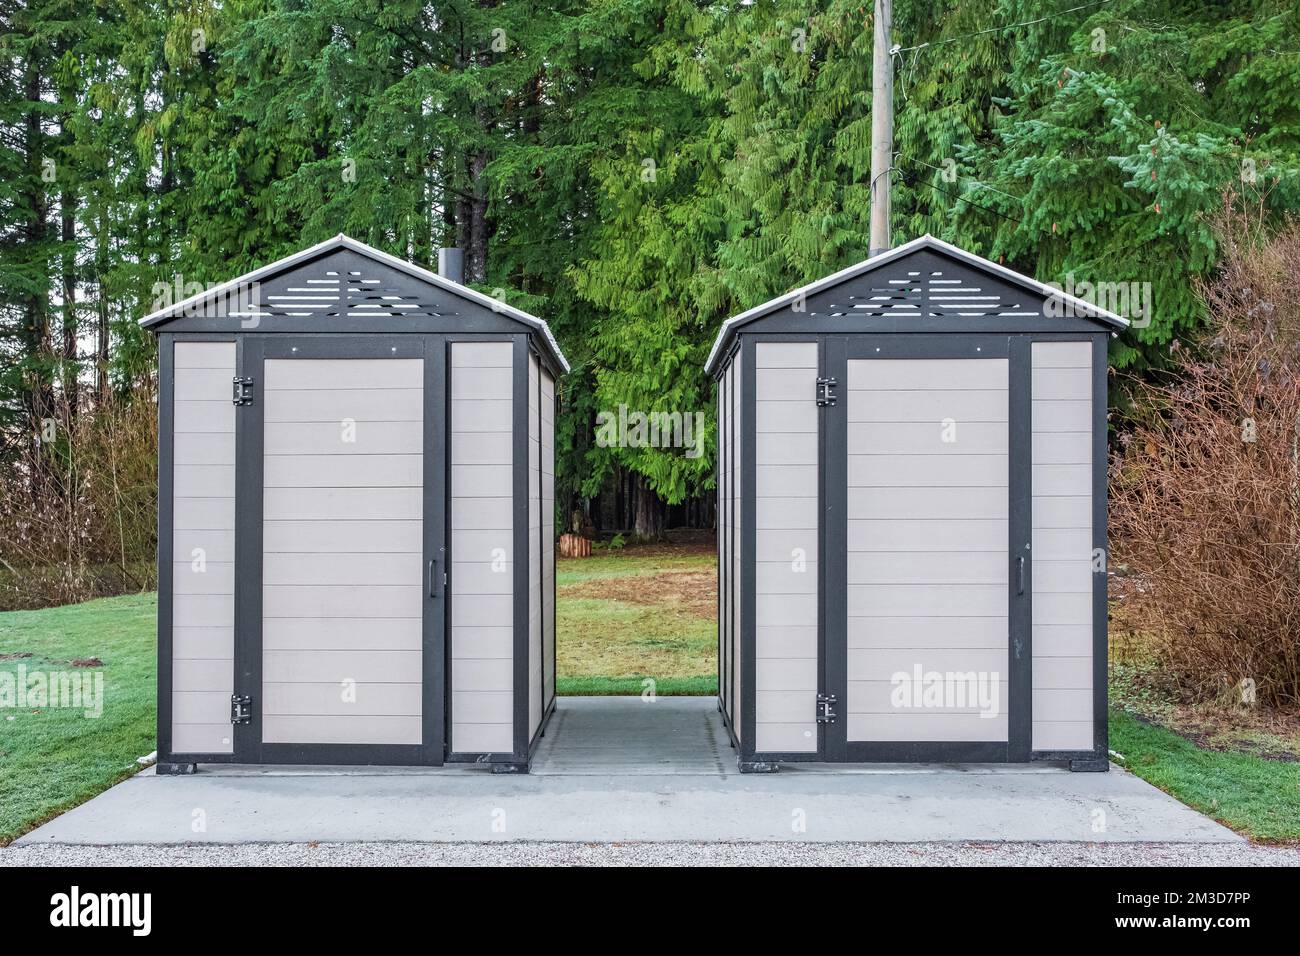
<point>241,709</point>
<point>826,708</point>
<point>242,391</point>
<point>826,391</point>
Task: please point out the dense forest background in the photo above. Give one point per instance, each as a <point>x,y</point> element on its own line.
<point>634,171</point>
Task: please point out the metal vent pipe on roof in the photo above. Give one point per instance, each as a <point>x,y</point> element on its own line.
<point>451,264</point>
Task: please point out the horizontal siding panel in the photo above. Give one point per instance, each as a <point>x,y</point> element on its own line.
<point>785,385</point>
<point>346,568</point>
<point>481,383</point>
<point>786,481</point>
<point>786,355</point>
<point>1063,512</point>
<point>481,415</point>
<point>931,536</point>
<point>484,578</point>
<point>204,481</point>
<point>373,600</point>
<point>1062,448</point>
<point>203,610</point>
<point>777,514</point>
<point>203,643</point>
<point>1054,384</point>
<point>363,699</point>
<point>774,642</point>
<point>1063,608</point>
<point>212,577</point>
<point>789,544</point>
<point>343,471</point>
<point>333,438</point>
<point>924,471</point>
<point>352,729</point>
<point>1062,355</point>
<point>784,449</point>
<point>1057,544</point>
<point>331,375</point>
<point>900,375</point>
<point>201,707</point>
<point>782,577</point>
<point>1062,416</point>
<point>787,674</point>
<point>482,481</point>
<point>343,633</point>
<point>218,356</point>
<point>796,417</point>
<point>482,514</point>
<point>481,610</point>
<point>214,738</point>
<point>307,537</point>
<point>935,727</point>
<point>782,609</point>
<point>787,707</point>
<point>960,405</point>
<point>1059,480</point>
<point>208,384</point>
<point>481,448</point>
<point>786,738</point>
<point>879,697</point>
<point>482,738</point>
<point>344,504</point>
<point>928,503</point>
<point>362,407</point>
<point>1063,577</point>
<point>210,544</point>
<point>482,707</point>
<point>931,567</point>
<point>199,514</point>
<point>194,448</point>
<point>1062,640</point>
<point>1063,735</point>
<point>921,631</point>
<point>484,643</point>
<point>213,415</point>
<point>482,355</point>
<point>480,546</point>
<point>937,600</point>
<point>1063,704</point>
<point>881,664</point>
<point>928,438</point>
<point>1068,673</point>
<point>317,666</point>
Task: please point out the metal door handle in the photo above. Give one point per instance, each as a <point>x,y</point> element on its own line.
<point>433,578</point>
<point>1020,575</point>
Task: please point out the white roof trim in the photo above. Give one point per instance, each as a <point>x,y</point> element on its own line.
<point>347,242</point>
<point>926,241</point>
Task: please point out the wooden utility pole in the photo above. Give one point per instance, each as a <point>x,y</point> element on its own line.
<point>882,126</point>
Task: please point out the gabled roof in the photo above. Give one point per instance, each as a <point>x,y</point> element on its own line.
<point>1080,307</point>
<point>347,242</point>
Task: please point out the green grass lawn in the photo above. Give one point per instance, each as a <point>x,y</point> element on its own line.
<point>54,758</point>
<point>628,617</point>
<point>1253,795</point>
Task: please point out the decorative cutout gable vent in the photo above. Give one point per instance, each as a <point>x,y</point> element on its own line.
<point>933,294</point>
<point>349,293</point>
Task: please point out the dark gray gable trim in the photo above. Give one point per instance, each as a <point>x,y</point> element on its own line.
<point>428,302</point>
<point>822,295</point>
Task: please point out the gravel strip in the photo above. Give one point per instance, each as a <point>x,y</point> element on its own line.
<point>656,854</point>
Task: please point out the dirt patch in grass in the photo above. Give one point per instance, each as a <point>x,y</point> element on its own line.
<point>16,656</point>
<point>1147,691</point>
<point>692,592</point>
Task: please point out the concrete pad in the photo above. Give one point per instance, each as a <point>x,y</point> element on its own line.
<point>619,769</point>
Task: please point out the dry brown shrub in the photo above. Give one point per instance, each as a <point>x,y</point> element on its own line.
<point>79,511</point>
<point>1205,489</point>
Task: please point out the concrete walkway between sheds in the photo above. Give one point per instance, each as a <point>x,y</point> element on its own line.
<point>623,770</point>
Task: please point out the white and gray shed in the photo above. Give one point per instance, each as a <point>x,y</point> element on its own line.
<point>355,530</point>
<point>912,517</point>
